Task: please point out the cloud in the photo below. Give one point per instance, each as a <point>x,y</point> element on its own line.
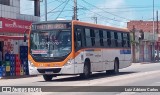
<point>27,7</point>
<point>112,6</point>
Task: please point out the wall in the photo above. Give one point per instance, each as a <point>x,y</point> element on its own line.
<point>13,12</point>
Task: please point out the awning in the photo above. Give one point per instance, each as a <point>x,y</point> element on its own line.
<point>14,25</point>
<point>12,37</point>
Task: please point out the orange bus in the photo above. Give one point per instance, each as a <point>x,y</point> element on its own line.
<point>72,47</point>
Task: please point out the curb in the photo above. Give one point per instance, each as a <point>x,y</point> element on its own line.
<point>18,77</point>
<point>146,63</point>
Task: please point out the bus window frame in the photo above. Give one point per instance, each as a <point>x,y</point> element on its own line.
<point>83,42</point>
<point>108,37</point>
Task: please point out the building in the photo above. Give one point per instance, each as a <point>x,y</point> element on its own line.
<point>13,25</point>
<point>144,42</point>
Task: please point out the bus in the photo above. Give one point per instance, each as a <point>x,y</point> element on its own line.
<point>70,47</point>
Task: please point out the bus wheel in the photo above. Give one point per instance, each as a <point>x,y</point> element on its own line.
<point>86,71</point>
<point>116,68</point>
<point>47,77</point>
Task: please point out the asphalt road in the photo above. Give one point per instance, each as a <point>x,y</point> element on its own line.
<point>135,75</point>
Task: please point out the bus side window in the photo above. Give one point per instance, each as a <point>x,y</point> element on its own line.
<point>101,37</point>
<point>105,38</point>
<point>97,38</point>
<point>92,35</point>
<point>124,41</point>
<point>112,39</point>
<point>116,39</point>
<point>109,38</point>
<point>119,40</point>
<point>128,39</point>
<point>87,38</point>
<point>78,38</point>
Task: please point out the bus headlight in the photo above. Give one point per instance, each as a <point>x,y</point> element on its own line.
<point>30,63</point>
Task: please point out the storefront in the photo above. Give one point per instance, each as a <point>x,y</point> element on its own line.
<point>12,45</point>
<point>12,35</point>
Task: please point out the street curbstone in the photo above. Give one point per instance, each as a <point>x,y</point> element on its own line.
<point>18,77</point>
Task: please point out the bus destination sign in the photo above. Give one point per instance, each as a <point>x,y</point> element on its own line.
<point>50,26</point>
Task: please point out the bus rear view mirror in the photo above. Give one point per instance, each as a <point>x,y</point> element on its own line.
<point>25,35</point>
<point>25,38</point>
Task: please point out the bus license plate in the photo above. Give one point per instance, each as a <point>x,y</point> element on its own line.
<point>48,72</point>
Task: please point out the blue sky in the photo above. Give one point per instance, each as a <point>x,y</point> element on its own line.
<point>108,12</point>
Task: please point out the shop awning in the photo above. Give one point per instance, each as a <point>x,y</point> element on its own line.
<point>12,37</point>
<point>14,25</point>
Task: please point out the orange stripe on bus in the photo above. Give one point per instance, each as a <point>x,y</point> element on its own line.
<point>99,26</point>
<point>98,49</point>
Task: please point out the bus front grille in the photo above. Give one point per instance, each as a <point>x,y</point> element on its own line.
<point>54,70</point>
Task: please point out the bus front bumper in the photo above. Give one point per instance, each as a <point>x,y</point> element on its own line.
<point>68,69</point>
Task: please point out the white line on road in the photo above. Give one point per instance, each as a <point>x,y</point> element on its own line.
<point>116,78</point>
<point>127,93</point>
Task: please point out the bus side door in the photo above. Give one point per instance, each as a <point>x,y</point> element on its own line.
<point>79,53</point>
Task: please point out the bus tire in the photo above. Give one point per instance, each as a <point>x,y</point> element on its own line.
<point>116,68</point>
<point>86,71</point>
<point>47,77</point>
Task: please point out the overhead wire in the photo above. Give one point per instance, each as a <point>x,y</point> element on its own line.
<point>54,8</point>
<point>63,8</point>
<point>40,5</point>
<point>107,18</point>
<point>105,11</point>
<point>99,14</point>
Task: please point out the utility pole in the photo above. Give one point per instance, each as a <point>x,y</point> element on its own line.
<point>157,23</point>
<point>133,45</point>
<point>157,33</point>
<point>75,10</point>
<point>45,10</point>
<point>95,19</point>
<point>153,46</point>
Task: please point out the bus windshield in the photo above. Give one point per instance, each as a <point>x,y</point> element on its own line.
<point>50,43</point>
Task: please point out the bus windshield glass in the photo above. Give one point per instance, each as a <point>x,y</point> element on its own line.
<point>50,43</point>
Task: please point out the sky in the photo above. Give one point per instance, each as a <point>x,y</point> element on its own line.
<point>108,12</point>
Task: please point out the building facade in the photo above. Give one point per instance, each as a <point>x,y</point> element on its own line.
<point>145,41</point>
<point>13,25</point>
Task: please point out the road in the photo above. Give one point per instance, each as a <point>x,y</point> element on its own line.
<point>135,75</point>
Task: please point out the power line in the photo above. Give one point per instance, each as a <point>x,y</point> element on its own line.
<point>119,8</point>
<point>54,8</point>
<point>128,11</point>
<point>104,10</point>
<point>103,17</point>
<point>40,5</point>
<point>63,8</point>
<point>99,14</point>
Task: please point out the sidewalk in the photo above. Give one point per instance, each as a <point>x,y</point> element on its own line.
<point>17,77</point>
<point>145,62</point>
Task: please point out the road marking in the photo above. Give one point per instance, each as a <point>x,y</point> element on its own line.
<point>157,82</point>
<point>117,78</point>
<point>127,93</point>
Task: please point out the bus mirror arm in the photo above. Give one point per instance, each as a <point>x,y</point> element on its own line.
<point>25,36</point>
